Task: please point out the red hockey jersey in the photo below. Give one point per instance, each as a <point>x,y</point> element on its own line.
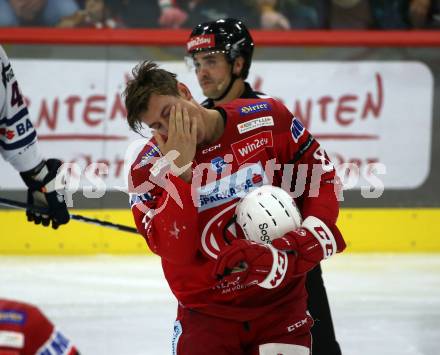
<point>187,224</point>
<point>24,330</point>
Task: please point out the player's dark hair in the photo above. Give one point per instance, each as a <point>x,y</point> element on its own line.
<point>147,79</point>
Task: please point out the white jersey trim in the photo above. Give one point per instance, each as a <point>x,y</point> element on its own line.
<point>11,339</point>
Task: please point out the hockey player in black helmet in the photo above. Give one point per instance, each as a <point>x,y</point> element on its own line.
<point>221,52</point>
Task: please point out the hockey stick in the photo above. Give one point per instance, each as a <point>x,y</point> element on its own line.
<point>76,217</point>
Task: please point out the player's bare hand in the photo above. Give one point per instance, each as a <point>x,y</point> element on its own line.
<point>182,138</point>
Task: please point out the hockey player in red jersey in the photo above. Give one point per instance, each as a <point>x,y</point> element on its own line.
<point>235,296</point>
<point>222,66</point>
<point>25,330</point>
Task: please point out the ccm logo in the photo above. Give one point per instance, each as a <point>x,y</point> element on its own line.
<point>297,325</point>
<point>326,241</point>
<point>210,149</point>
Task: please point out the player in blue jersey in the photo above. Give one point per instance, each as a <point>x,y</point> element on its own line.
<point>18,146</point>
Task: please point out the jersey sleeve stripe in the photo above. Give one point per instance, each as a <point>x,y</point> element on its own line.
<point>20,144</point>
<point>302,149</point>
<point>17,117</point>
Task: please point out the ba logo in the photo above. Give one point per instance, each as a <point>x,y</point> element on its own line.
<point>297,129</point>
<point>217,164</point>
<point>21,128</point>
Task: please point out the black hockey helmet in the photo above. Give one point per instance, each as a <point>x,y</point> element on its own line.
<point>229,36</point>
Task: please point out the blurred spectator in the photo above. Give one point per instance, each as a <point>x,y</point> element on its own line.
<point>35,12</point>
<point>265,14</point>
<point>96,14</point>
<point>189,13</point>
<point>135,13</point>
<point>171,15</point>
<point>418,12</point>
<point>378,14</point>
<point>350,14</point>
<point>391,14</point>
<point>290,14</point>
<point>270,17</point>
<point>434,15</point>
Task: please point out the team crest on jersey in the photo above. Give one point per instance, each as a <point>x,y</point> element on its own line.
<point>12,317</point>
<point>212,235</point>
<point>254,124</point>
<point>257,107</point>
<point>221,192</point>
<point>250,146</point>
<point>297,129</point>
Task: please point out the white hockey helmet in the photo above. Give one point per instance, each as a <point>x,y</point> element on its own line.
<point>267,213</point>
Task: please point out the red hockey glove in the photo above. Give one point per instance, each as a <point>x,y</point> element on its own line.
<point>253,263</point>
<point>312,242</point>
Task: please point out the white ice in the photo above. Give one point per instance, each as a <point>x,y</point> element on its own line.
<point>382,304</point>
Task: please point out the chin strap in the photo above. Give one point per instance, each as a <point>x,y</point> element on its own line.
<point>233,78</point>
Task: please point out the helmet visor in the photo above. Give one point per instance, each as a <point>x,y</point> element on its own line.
<point>198,60</point>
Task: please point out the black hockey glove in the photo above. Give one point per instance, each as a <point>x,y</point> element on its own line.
<point>41,193</point>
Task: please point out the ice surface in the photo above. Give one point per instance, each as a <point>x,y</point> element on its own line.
<point>382,304</point>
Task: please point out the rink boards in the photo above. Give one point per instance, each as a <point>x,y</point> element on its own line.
<point>365,230</point>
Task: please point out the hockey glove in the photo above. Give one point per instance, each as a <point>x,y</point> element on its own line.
<point>311,243</point>
<point>253,263</point>
<point>41,193</point>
